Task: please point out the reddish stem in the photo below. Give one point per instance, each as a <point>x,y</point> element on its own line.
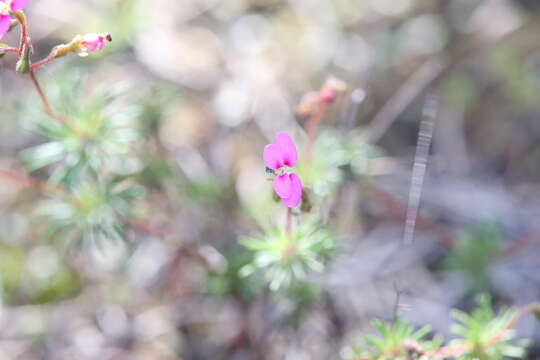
<point>10,50</point>
<point>24,35</point>
<point>30,182</point>
<point>47,106</point>
<point>313,125</point>
<point>42,62</point>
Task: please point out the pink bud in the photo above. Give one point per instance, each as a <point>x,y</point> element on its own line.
<point>327,95</point>
<point>95,42</point>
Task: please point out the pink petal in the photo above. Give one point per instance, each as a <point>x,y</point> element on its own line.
<point>93,42</point>
<point>4,24</point>
<point>283,186</point>
<point>287,147</point>
<point>272,156</point>
<point>296,192</point>
<point>17,5</point>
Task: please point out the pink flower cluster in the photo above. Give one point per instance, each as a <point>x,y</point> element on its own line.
<point>7,7</point>
<point>280,157</point>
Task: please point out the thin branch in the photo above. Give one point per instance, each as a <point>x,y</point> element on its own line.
<point>42,62</point>
<point>312,127</point>
<point>412,87</point>
<point>288,224</point>
<point>10,50</point>
<point>29,182</point>
<point>48,108</point>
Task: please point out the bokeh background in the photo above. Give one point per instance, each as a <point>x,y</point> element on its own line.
<point>206,84</point>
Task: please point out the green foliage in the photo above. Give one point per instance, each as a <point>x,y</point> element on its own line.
<point>332,153</point>
<point>100,140</point>
<point>473,253</point>
<point>230,281</point>
<point>519,86</point>
<point>287,258</point>
<point>89,157</point>
<point>481,335</point>
<point>20,284</point>
<point>459,90</point>
<point>398,340</point>
<point>485,334</point>
<point>92,212</point>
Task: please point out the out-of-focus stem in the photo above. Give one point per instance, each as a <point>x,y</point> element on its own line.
<point>29,182</point>
<point>288,224</point>
<point>312,126</point>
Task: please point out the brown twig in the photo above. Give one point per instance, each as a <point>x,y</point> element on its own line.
<point>412,87</point>
<point>29,182</point>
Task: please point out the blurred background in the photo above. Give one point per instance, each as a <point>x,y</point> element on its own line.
<point>126,243</point>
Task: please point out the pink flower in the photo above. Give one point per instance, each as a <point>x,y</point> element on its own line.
<point>280,157</point>
<point>7,6</point>
<point>94,42</point>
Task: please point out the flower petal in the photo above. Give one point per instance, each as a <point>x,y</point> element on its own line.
<point>283,186</point>
<point>288,149</point>
<point>4,24</point>
<point>17,5</point>
<point>272,156</point>
<point>93,42</point>
<point>296,192</point>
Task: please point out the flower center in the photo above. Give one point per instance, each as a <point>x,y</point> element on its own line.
<point>282,170</point>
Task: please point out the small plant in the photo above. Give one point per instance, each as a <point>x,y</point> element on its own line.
<point>486,335</point>
<point>287,257</point>
<point>482,335</point>
<point>473,254</point>
<point>398,340</point>
<point>85,154</point>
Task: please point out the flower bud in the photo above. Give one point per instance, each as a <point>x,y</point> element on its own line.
<point>92,42</point>
<point>327,95</point>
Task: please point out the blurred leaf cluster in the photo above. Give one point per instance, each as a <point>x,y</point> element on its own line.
<point>481,335</point>
<point>287,258</point>
<point>334,154</point>
<point>485,334</point>
<point>473,254</point>
<point>90,160</point>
